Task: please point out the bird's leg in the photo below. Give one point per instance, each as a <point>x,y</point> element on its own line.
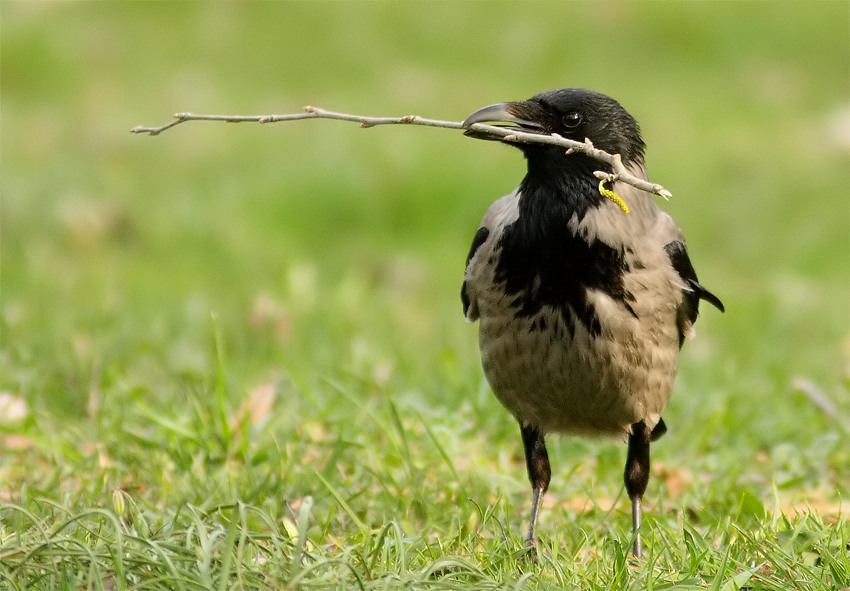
<point>539,473</point>
<point>637,476</point>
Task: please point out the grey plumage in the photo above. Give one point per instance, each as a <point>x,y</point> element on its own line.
<point>605,382</point>
<point>582,307</point>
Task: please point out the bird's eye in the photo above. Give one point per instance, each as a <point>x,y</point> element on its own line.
<point>572,120</point>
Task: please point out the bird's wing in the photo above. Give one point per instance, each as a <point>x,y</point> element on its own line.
<point>469,309</point>
<point>501,213</point>
<point>692,292</point>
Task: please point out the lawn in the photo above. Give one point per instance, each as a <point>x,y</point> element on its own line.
<point>234,357</point>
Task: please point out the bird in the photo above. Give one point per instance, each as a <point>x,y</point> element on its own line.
<point>582,306</point>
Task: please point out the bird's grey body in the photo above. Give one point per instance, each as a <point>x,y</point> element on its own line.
<point>571,381</point>
<point>582,306</point>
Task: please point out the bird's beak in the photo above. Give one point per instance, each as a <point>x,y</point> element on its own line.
<point>499,113</point>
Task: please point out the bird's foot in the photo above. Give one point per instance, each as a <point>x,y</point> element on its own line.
<point>530,554</point>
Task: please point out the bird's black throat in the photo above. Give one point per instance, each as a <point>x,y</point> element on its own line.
<point>542,263</point>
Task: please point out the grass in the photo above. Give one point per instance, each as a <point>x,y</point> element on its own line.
<point>232,357</point>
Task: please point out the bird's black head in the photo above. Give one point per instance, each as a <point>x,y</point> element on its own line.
<point>573,113</point>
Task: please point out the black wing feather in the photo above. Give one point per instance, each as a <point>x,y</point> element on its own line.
<point>480,237</point>
<point>689,308</point>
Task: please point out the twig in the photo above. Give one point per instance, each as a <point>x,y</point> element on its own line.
<point>508,134</point>
<point>309,113</point>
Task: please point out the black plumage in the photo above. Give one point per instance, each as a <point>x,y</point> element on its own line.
<point>583,307</point>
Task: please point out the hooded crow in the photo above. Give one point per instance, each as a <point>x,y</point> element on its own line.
<point>582,307</point>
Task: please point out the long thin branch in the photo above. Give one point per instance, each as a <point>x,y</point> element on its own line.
<point>509,134</point>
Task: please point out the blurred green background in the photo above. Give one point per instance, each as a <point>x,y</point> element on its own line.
<point>317,249</point>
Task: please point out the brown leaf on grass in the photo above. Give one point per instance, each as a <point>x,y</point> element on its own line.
<point>268,315</point>
<point>581,504</point>
<point>676,480</point>
<point>16,442</point>
<point>97,447</point>
<point>256,408</point>
<point>108,585</point>
<point>827,510</point>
